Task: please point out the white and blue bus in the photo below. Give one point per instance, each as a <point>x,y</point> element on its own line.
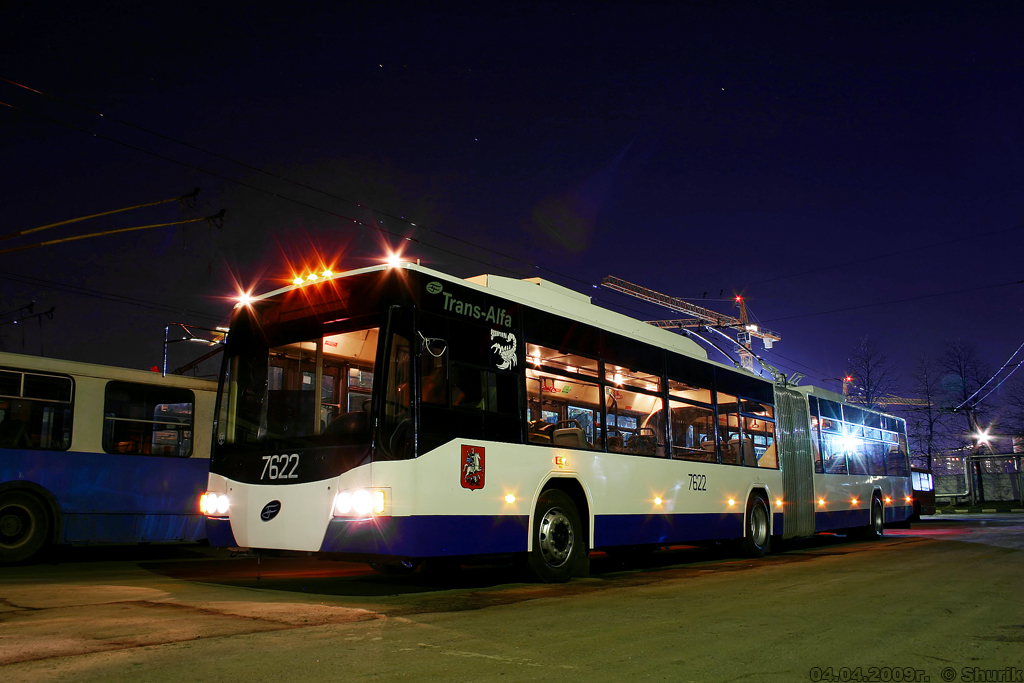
<point>397,414</point>
<point>96,454</point>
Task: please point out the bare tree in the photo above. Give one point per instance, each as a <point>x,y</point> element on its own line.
<point>925,422</point>
<point>1015,409</point>
<point>964,373</point>
<point>874,377</point>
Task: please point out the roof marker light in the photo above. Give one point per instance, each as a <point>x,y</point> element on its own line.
<point>326,273</point>
<point>298,281</point>
<point>311,277</point>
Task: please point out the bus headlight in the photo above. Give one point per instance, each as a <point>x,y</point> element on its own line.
<point>360,503</point>
<point>211,503</point>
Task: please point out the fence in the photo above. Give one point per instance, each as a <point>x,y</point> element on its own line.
<point>986,478</point>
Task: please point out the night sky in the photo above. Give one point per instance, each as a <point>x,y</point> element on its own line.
<point>825,159</point>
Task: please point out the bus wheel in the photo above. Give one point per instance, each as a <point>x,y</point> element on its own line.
<point>557,539</point>
<point>24,526</point>
<point>876,526</point>
<point>757,538</point>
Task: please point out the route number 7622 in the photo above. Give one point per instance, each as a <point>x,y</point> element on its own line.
<point>280,466</point>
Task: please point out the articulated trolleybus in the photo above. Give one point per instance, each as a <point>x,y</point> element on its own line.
<point>396,414</point>
<point>97,454</point>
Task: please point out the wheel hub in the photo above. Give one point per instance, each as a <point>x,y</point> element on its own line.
<point>12,525</point>
<point>556,537</point>
<point>759,526</point>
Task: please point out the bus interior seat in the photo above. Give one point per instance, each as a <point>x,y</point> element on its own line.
<point>616,443</point>
<point>708,446</point>
<point>348,424</point>
<point>741,452</point>
<point>570,436</point>
<point>540,431</point>
<point>644,442</point>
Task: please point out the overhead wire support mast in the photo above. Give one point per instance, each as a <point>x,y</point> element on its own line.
<point>700,316</point>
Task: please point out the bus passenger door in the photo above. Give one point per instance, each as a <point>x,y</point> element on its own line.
<point>797,460</point>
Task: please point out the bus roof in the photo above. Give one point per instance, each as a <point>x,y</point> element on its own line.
<point>538,293</point>
<point>70,367</point>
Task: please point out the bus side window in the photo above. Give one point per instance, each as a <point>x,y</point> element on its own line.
<point>396,430</point>
<point>434,384</point>
<point>144,419</point>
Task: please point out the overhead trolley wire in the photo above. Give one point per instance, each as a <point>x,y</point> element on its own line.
<point>418,226</point>
<point>302,185</point>
<point>106,296</point>
<point>213,218</point>
<point>19,233</point>
<point>896,301</point>
<point>250,186</point>
<point>996,374</point>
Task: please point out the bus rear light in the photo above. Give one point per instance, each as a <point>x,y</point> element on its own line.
<point>211,503</point>
<point>360,503</point>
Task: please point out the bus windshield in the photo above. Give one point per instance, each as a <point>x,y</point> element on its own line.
<point>313,392</point>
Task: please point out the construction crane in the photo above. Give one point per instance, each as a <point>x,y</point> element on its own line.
<point>699,317</point>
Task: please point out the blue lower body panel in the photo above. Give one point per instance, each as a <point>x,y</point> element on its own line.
<point>428,536</point>
<point>611,530</point>
<point>840,519</point>
<point>218,531</point>
<point>113,498</point>
<point>103,528</point>
<point>898,513</point>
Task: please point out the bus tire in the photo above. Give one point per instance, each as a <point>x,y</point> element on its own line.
<point>876,522</point>
<point>557,538</point>
<point>757,531</point>
<point>24,526</point>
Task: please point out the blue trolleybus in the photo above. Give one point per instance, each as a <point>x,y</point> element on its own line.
<point>96,454</point>
<point>396,414</point>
